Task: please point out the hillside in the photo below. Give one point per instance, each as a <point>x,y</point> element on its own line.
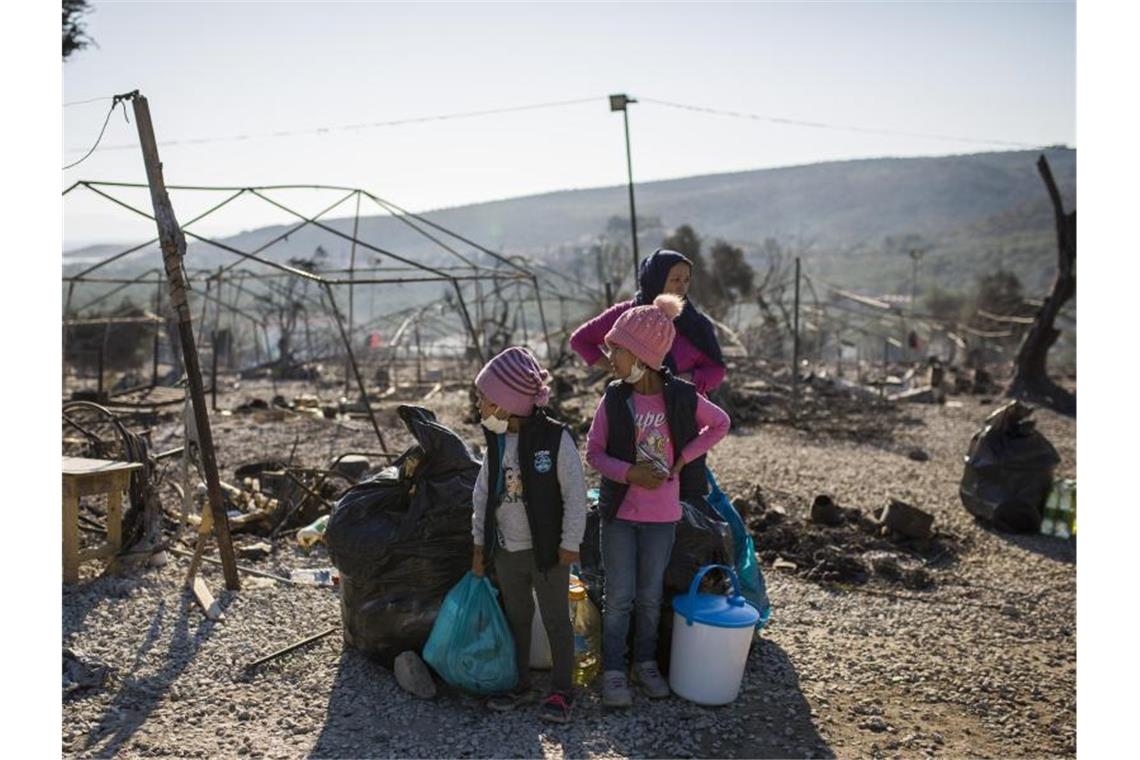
<point>970,212</point>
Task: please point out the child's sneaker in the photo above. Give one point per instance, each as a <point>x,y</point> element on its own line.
<point>615,689</point>
<point>557,707</point>
<point>515,698</point>
<point>652,683</point>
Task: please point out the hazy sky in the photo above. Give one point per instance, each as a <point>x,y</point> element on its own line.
<point>994,71</point>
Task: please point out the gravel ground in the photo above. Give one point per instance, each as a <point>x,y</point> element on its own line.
<point>982,665</point>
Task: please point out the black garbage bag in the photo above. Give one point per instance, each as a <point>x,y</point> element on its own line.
<point>1009,470</point>
<point>402,539</point>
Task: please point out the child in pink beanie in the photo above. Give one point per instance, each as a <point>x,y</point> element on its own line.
<point>530,515</point>
<point>649,438</point>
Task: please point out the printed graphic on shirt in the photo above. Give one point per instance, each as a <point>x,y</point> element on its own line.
<point>542,461</point>
<point>652,438</point>
<point>514,488</point>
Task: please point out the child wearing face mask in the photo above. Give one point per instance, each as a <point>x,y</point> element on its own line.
<point>530,515</point>
<point>648,440</point>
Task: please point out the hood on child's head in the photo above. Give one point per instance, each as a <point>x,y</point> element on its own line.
<point>653,272</point>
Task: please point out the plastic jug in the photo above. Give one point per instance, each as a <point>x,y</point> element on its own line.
<point>1060,514</point>
<point>313,533</point>
<point>711,638</point>
<point>587,636</point>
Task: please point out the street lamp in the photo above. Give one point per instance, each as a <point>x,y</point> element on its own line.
<point>619,103</point>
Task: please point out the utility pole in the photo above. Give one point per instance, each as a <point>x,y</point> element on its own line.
<point>173,244</point>
<point>620,103</point>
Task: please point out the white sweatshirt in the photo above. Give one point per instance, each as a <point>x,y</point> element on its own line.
<point>514,529</point>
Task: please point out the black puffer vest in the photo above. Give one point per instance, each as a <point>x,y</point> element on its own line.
<point>621,441</point>
<point>540,437</point>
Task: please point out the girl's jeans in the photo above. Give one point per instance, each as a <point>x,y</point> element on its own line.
<point>635,556</point>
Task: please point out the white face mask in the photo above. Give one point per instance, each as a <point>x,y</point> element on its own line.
<point>635,373</point>
<point>496,425</point>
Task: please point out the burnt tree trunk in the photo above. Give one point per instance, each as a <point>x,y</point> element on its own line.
<point>1030,380</point>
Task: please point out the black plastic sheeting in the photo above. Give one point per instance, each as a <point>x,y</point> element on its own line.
<point>401,542</point>
<point>1009,470</point>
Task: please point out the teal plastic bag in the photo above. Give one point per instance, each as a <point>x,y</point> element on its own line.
<point>470,644</point>
<point>752,584</point>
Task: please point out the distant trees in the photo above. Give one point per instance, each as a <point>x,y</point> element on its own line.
<point>285,304</point>
<point>608,258</point>
<point>74,33</point>
<point>999,292</point>
<point>716,288</point>
<point>944,305</point>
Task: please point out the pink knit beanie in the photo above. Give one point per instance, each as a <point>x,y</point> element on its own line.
<point>647,331</point>
<point>515,381</point>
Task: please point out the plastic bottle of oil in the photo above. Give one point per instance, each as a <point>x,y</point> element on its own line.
<point>587,636</point>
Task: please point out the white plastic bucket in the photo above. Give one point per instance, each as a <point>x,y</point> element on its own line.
<point>711,638</point>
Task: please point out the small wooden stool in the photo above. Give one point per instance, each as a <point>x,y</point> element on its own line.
<point>90,477</point>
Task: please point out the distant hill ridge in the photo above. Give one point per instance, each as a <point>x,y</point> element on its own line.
<point>973,212</point>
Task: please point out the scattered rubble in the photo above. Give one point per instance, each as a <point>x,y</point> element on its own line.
<point>256,551</point>
<point>825,512</point>
<point>81,671</point>
<point>847,545</point>
<point>918,455</point>
<point>911,522</point>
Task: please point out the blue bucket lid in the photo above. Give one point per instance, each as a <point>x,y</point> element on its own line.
<point>713,609</point>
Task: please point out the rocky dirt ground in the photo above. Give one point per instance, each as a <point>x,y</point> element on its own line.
<point>982,663</point>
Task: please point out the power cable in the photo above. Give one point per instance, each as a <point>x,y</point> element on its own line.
<point>367,125</point>
<point>114,102</point>
<point>823,125</point>
<point>85,102</point>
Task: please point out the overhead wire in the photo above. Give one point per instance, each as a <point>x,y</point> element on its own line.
<point>85,102</point>
<point>825,125</point>
<point>98,139</point>
<point>365,125</point>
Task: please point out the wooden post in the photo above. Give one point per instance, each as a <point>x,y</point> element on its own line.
<point>214,371</point>
<point>102,349</point>
<point>70,532</point>
<point>173,249</point>
<point>419,354</point>
<point>796,340</point>
<point>883,379</point>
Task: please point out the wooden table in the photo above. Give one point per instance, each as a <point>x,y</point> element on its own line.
<point>91,477</point>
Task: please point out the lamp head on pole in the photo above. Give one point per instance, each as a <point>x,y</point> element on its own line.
<point>618,102</point>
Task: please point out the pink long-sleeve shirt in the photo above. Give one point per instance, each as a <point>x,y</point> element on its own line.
<point>662,504</point>
<point>587,342</point>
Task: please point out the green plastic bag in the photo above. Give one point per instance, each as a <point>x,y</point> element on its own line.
<point>470,645</point>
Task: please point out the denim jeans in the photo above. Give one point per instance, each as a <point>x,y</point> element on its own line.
<point>635,556</point>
